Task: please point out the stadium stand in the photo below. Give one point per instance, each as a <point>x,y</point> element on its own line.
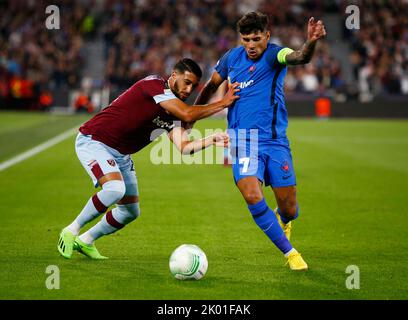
<point>137,38</point>
<point>379,50</point>
<point>34,60</point>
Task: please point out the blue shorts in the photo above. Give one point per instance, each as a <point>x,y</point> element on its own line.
<point>270,163</point>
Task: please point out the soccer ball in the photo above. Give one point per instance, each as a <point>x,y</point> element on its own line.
<point>188,261</point>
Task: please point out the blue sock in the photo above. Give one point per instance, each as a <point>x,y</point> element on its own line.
<point>286,220</point>
<point>265,219</point>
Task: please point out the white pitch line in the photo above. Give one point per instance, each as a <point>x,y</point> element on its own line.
<point>43,146</point>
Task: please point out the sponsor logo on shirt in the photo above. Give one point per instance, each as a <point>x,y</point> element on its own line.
<point>246,84</point>
<point>163,124</point>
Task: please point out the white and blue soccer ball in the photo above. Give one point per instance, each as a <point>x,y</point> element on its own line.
<point>188,262</point>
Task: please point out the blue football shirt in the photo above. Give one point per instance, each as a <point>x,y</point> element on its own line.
<point>262,103</point>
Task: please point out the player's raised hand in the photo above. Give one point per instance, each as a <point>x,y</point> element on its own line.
<point>231,96</point>
<point>315,30</point>
<point>221,139</point>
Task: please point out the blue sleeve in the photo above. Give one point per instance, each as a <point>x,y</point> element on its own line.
<point>272,55</point>
<point>222,65</point>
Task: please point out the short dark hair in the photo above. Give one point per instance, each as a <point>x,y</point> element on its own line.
<point>253,22</point>
<point>187,64</point>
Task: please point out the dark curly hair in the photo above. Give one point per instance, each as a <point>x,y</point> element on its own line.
<point>253,22</point>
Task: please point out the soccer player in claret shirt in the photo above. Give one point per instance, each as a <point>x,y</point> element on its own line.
<point>260,68</point>
<point>105,143</point>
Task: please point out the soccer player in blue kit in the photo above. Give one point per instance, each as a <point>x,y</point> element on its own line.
<point>257,124</point>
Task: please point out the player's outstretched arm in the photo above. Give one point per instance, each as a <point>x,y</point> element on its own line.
<point>192,113</point>
<point>180,138</point>
<point>315,31</point>
<point>209,88</point>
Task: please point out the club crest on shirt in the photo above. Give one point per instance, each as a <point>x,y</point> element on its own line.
<point>252,68</point>
<point>111,162</point>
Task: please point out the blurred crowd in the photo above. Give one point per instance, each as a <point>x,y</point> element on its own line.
<point>322,76</point>
<point>34,61</point>
<point>379,55</point>
<point>142,37</point>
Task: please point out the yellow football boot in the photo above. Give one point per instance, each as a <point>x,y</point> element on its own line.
<point>287,228</point>
<point>296,261</point>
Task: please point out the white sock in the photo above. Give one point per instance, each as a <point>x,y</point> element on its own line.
<point>112,191</point>
<point>74,227</point>
<point>87,214</point>
<point>87,238</point>
<point>98,230</point>
<point>289,252</point>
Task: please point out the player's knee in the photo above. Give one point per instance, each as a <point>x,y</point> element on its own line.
<point>128,212</point>
<point>115,188</point>
<point>134,210</point>
<point>253,197</point>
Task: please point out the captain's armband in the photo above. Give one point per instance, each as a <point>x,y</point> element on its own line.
<point>282,55</point>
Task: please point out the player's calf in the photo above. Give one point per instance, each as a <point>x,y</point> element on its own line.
<point>112,221</point>
<point>266,220</point>
<point>285,219</point>
<point>288,213</point>
<point>112,191</point>
<point>287,204</point>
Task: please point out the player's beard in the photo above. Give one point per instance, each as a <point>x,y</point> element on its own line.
<point>176,91</point>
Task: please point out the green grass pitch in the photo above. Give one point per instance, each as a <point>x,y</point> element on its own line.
<point>352,190</point>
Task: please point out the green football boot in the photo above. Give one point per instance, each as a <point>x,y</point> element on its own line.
<point>66,243</point>
<point>88,249</point>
